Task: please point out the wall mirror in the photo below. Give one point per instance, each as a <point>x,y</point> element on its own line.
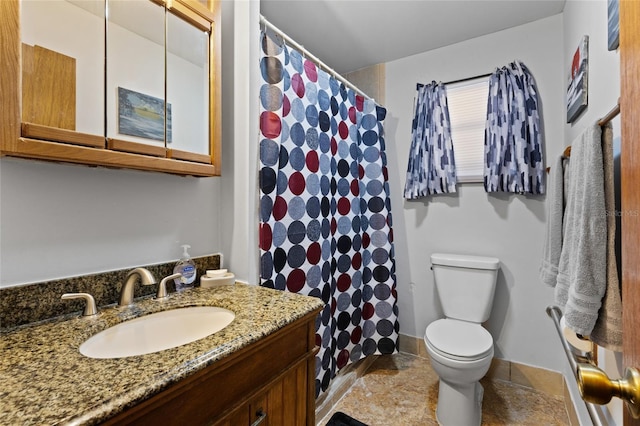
<point>136,80</point>
<point>188,86</point>
<point>63,67</point>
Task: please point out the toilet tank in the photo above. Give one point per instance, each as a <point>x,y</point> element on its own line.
<point>465,285</point>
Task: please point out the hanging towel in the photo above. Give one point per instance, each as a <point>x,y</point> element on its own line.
<point>608,329</point>
<point>553,233</point>
<point>581,280</point>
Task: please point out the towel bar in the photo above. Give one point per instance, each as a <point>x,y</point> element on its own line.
<point>555,314</point>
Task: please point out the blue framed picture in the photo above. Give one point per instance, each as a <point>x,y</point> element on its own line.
<point>142,115</point>
<point>613,24</point>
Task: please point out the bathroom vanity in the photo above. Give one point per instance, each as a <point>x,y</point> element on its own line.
<point>260,367</point>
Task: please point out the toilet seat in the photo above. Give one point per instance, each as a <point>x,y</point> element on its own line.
<point>471,342</point>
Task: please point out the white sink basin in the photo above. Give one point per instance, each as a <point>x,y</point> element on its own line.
<point>157,332</point>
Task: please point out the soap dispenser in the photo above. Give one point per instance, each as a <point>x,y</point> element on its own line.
<point>187,268</point>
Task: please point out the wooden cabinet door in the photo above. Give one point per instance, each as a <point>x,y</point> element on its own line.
<point>238,417</point>
<point>284,401</point>
<point>259,413</point>
<point>278,404</point>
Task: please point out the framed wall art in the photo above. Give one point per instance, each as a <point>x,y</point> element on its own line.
<point>577,84</point>
<point>142,115</point>
<point>613,24</point>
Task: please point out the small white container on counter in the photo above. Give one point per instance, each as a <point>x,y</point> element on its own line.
<point>216,273</point>
<point>214,278</point>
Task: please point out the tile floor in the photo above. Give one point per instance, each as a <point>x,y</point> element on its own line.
<point>402,390</point>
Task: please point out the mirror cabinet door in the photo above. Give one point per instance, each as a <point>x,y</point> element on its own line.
<point>135,76</point>
<point>208,4</point>
<point>131,76</point>
<point>63,70</point>
<point>188,89</point>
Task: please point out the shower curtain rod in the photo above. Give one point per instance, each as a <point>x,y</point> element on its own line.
<point>309,55</point>
<point>462,80</point>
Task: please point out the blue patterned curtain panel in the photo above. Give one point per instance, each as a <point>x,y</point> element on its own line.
<point>325,219</point>
<point>432,167</point>
<point>513,142</point>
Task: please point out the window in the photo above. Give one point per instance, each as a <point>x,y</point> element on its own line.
<point>468,113</point>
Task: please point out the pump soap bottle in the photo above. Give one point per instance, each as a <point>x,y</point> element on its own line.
<point>187,268</point>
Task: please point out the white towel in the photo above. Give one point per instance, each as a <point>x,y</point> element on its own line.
<point>553,233</point>
<point>582,268</point>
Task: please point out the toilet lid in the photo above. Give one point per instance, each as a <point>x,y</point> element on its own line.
<point>472,341</point>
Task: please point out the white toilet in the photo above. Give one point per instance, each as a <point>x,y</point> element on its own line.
<point>459,347</point>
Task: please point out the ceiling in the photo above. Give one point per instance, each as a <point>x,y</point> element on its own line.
<point>351,34</point>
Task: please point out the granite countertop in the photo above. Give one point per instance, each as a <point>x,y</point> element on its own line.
<point>45,379</point>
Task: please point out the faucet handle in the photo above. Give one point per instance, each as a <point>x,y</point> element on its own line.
<point>162,287</point>
<point>90,306</point>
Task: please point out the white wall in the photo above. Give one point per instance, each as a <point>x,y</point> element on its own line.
<point>240,74</point>
<point>59,220</point>
<point>510,227</point>
<point>590,18</point>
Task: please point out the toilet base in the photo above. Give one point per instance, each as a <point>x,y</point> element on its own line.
<point>459,405</point>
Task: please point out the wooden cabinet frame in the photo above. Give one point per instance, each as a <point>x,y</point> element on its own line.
<point>14,143</point>
<point>630,193</point>
<point>274,376</point>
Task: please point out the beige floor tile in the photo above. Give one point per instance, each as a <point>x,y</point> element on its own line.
<point>543,380</point>
<point>402,389</point>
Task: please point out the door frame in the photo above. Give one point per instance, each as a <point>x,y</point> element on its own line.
<point>630,183</point>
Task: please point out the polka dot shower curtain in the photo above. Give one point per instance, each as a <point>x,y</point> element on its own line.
<point>325,219</point>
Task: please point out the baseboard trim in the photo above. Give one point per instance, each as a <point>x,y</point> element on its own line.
<point>547,381</point>
<point>540,379</point>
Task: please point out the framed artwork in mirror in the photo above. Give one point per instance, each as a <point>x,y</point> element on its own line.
<point>142,115</point>
<point>613,24</point>
<point>577,84</point>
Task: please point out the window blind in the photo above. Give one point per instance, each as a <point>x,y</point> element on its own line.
<point>468,113</point>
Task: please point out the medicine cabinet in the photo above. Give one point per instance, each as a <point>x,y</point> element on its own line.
<point>117,83</point>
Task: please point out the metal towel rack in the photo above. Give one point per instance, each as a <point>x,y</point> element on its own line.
<point>555,314</point>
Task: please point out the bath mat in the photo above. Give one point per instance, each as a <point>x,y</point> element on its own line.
<point>341,419</point>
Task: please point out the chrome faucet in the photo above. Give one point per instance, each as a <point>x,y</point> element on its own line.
<point>126,293</point>
<point>162,287</point>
